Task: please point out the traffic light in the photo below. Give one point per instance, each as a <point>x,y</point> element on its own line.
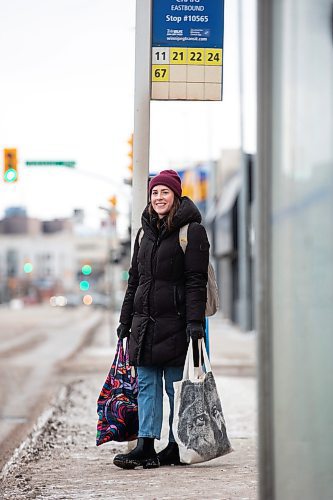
<point>86,269</point>
<point>10,165</point>
<point>130,154</point>
<point>27,267</point>
<point>84,285</point>
<point>113,200</point>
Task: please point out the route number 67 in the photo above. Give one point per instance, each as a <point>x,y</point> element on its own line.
<point>160,73</point>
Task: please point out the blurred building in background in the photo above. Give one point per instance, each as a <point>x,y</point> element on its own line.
<point>222,220</point>
<point>39,259</point>
<point>16,221</point>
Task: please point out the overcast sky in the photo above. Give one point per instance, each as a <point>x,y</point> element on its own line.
<point>67,93</point>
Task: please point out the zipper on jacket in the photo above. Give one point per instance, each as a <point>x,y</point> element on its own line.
<point>175,301</point>
<point>152,284</point>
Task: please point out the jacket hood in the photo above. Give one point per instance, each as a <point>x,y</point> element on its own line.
<point>186,213</point>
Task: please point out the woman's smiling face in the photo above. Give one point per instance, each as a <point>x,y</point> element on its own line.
<point>162,199</point>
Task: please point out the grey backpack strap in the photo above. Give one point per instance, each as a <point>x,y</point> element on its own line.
<point>183,237</point>
<point>141,233</point>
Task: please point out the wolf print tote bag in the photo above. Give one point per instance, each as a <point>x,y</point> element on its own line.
<point>199,426</point>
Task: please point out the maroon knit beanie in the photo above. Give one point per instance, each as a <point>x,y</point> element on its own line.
<point>168,178</point>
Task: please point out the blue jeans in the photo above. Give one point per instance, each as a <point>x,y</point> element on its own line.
<point>150,398</point>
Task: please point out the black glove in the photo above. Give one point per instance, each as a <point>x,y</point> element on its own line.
<point>123,331</point>
<point>195,330</point>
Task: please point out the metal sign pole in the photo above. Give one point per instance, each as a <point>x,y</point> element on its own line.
<point>141,113</point>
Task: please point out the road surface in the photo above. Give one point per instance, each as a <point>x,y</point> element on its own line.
<point>33,341</point>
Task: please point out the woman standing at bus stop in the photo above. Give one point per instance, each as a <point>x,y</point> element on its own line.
<point>164,306</point>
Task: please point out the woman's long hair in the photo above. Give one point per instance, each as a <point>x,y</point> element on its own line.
<point>170,215</point>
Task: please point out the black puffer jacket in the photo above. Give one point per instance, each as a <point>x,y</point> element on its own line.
<point>166,288</point>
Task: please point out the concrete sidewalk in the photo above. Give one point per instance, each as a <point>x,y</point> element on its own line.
<point>60,459</point>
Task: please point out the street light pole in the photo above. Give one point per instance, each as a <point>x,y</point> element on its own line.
<point>109,270</point>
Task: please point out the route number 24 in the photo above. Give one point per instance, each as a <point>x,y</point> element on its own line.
<point>213,57</point>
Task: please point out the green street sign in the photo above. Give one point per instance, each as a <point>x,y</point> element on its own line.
<point>70,164</point>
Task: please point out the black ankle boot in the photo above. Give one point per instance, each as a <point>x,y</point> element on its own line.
<point>143,455</point>
<point>170,455</point>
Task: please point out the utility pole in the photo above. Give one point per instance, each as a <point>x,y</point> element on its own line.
<point>243,207</point>
<point>109,270</point>
<point>141,134</point>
